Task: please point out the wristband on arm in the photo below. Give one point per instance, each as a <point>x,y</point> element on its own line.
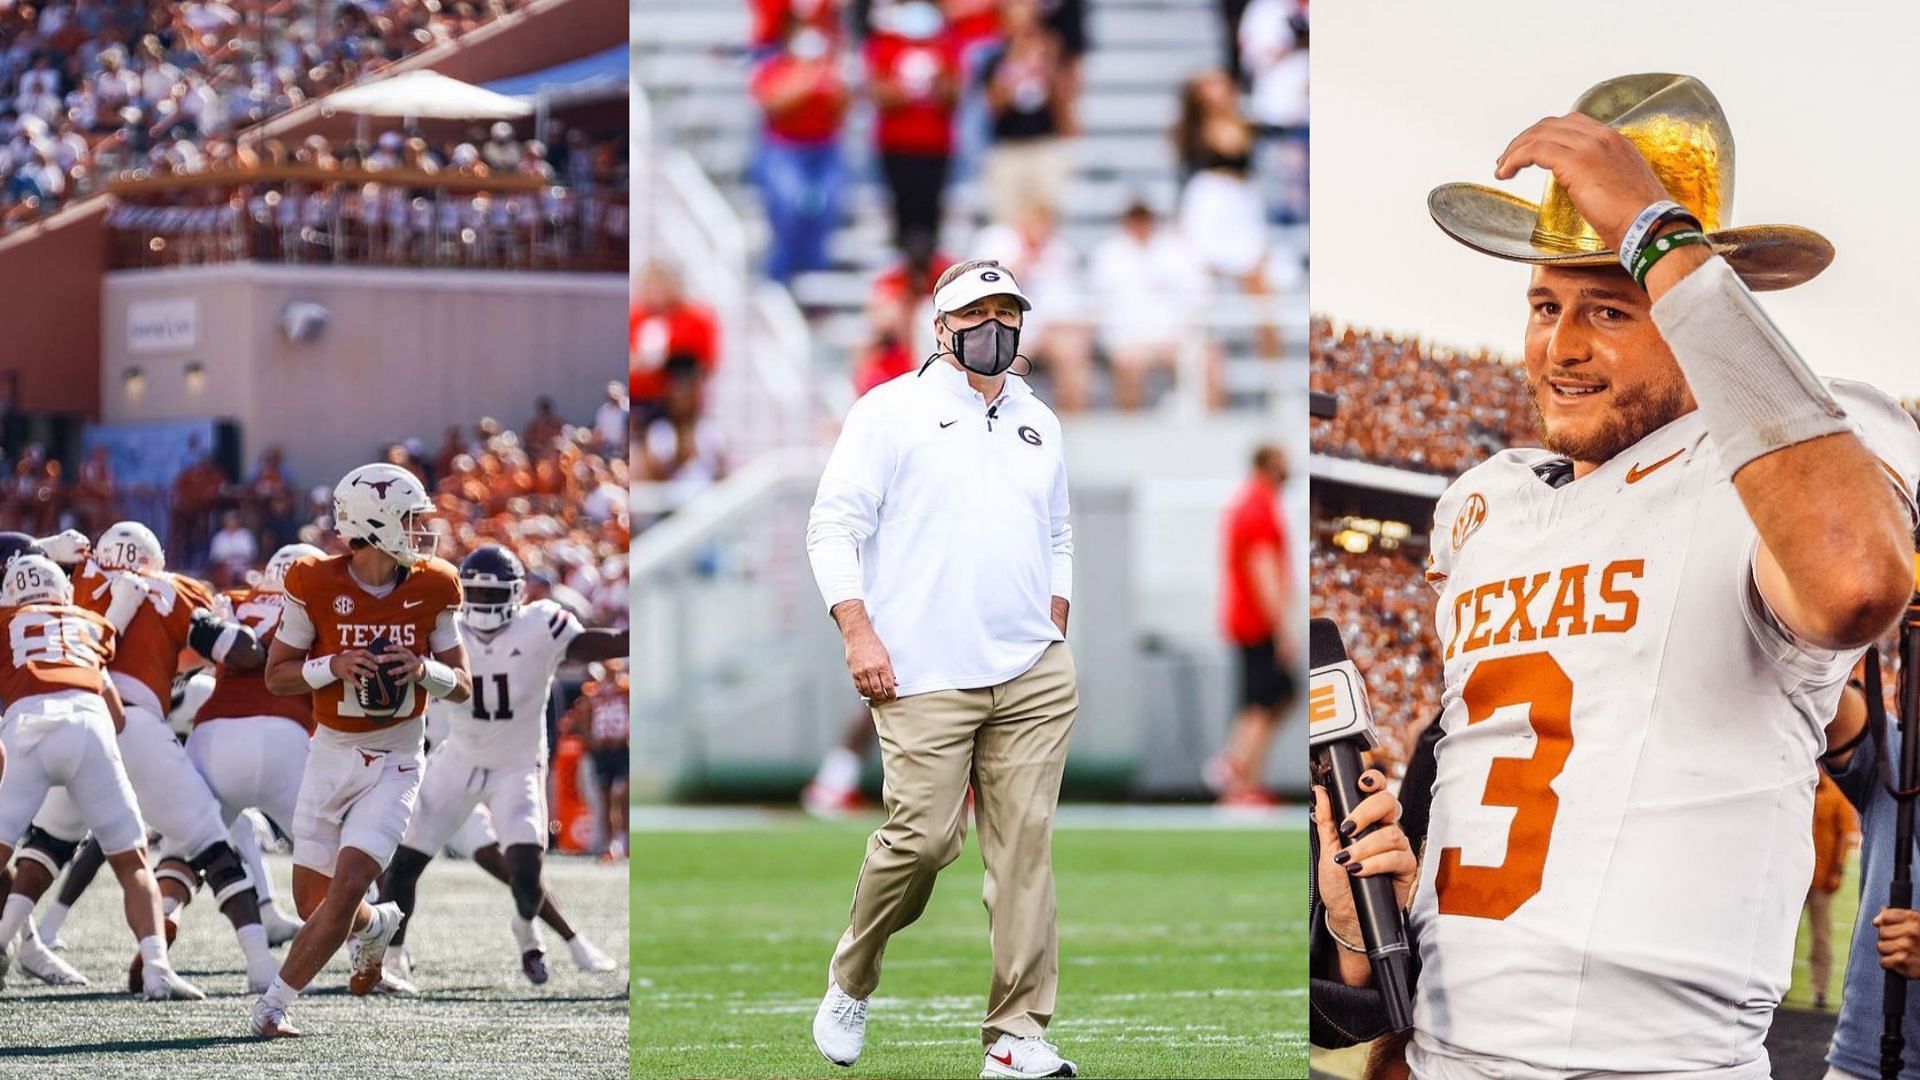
<point>437,679</point>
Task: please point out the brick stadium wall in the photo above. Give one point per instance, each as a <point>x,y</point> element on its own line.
<point>49,309</point>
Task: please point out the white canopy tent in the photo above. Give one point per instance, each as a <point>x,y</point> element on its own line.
<point>424,95</point>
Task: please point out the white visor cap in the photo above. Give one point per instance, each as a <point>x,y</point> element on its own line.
<point>981,281</point>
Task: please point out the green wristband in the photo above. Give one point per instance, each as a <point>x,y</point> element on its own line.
<point>1655,250</point>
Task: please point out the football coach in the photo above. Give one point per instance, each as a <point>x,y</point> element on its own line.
<point>940,541</point>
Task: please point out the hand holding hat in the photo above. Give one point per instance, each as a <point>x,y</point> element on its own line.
<point>1602,172</point>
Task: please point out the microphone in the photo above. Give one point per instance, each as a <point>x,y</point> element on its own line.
<point>1340,726</point>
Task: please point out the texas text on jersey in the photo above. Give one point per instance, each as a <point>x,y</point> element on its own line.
<point>504,724</point>
<point>149,651</point>
<point>340,613</point>
<point>245,693</point>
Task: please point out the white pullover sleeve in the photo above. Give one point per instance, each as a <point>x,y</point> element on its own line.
<point>1058,513</point>
<point>846,508</point>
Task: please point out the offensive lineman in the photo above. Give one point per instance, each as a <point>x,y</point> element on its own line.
<point>59,728</point>
<point>362,776</point>
<point>495,752</point>
<point>250,743</point>
<point>1646,625</point>
<point>157,616</point>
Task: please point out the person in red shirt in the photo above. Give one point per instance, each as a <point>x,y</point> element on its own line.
<point>773,20</point>
<point>891,303</point>
<point>913,70</point>
<point>1254,601</point>
<point>664,325</point>
<point>799,169</point>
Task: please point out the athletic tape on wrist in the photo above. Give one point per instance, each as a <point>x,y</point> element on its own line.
<point>1755,393</point>
<point>319,672</point>
<point>437,679</point>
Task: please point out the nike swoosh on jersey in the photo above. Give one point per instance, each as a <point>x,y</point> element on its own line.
<point>409,605</point>
<point>1637,473</point>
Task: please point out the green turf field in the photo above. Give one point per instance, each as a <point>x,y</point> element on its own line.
<point>477,1016</point>
<point>1182,955</point>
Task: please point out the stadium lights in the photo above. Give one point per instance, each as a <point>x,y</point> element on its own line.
<point>1352,541</point>
<point>196,376</point>
<point>134,379</point>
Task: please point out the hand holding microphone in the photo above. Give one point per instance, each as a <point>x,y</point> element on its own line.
<point>1357,817</point>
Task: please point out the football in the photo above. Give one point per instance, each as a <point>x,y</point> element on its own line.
<point>381,694</point>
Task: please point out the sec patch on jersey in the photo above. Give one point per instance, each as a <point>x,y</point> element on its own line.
<point>381,694</point>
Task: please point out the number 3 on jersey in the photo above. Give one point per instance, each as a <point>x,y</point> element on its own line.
<point>1525,784</point>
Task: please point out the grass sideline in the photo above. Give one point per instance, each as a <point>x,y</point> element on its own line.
<point>1182,955</point>
<point>477,1015</point>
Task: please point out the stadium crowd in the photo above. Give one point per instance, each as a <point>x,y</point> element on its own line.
<point>1382,603</point>
<point>89,87</point>
<point>1414,407</point>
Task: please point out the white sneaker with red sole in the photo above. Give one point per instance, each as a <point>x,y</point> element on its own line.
<point>1029,1057</point>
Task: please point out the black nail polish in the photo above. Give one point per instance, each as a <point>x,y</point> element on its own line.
<point>1353,868</point>
<point>1341,857</point>
<point>1347,828</point>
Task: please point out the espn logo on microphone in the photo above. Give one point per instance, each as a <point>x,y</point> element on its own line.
<point>1337,706</point>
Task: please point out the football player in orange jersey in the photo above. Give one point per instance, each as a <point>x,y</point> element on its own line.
<point>159,616</point>
<point>602,709</point>
<point>255,757</point>
<point>371,636</point>
<point>59,729</point>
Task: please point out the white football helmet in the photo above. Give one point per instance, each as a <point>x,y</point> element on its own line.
<point>382,505</point>
<point>131,546</point>
<point>34,579</point>
<point>274,578</point>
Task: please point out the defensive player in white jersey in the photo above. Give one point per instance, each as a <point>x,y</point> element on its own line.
<point>495,750</point>
<point>59,729</point>
<point>1646,626</point>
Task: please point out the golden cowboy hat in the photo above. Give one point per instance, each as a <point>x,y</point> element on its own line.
<point>1678,126</point>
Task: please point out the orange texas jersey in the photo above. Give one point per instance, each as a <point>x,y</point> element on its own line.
<point>149,649</point>
<point>344,615</point>
<point>237,694</point>
<point>52,647</point>
<point>605,703</point>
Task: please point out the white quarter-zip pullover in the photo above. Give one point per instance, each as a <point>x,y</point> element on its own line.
<point>947,515</point>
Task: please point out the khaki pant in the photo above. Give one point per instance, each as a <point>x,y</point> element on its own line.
<point>1820,955</point>
<point>1009,742</point>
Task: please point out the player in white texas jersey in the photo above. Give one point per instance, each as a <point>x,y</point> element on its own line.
<point>494,753</point>
<point>1646,626</point>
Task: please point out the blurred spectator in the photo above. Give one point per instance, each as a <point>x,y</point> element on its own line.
<point>1028,86</point>
<point>1273,46</point>
<point>1054,333</point>
<point>92,499</point>
<point>610,420</point>
<point>682,449</point>
<point>232,551</point>
<point>1146,287</point>
<point>543,430</point>
<point>1220,209</point>
<point>1835,824</point>
<point>272,495</point>
<point>1412,408</point>
<point>196,493</point>
<point>799,167</point>
<point>914,75</point>
<point>900,315</point>
<point>775,20</point>
<point>601,711</point>
<point>1384,608</point>
<point>33,500</point>
<point>664,327</point>
<point>450,450</point>
<point>1256,610</point>
<point>501,151</point>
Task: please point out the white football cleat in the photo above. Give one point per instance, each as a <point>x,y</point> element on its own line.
<point>840,1026</point>
<point>39,961</point>
<point>270,1022</point>
<point>279,926</point>
<point>160,983</point>
<point>396,975</point>
<point>370,957</point>
<point>1030,1057</point>
<point>588,958</point>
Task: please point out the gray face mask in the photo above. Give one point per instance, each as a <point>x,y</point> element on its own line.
<point>987,349</point>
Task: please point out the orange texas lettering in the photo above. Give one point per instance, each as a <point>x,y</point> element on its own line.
<point>1567,602</point>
